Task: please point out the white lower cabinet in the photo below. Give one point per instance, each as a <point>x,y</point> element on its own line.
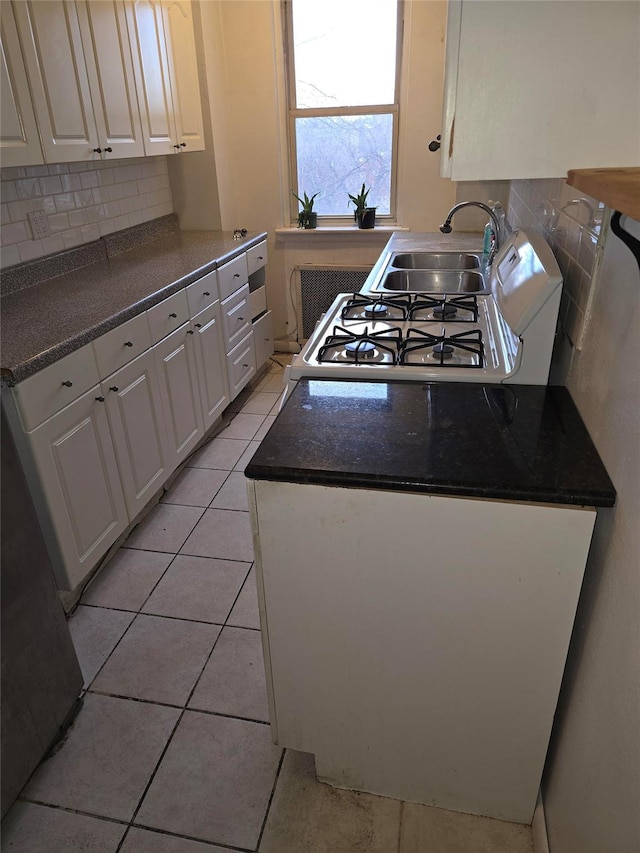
<point>263,338</point>
<point>241,365</point>
<point>180,393</point>
<point>134,408</point>
<point>74,457</point>
<point>211,363</point>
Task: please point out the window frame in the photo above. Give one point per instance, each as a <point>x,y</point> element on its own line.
<point>294,112</point>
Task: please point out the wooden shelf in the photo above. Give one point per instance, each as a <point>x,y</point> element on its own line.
<point>617,188</point>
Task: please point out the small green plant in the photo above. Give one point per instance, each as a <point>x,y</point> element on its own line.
<point>307,218</point>
<point>359,201</point>
<point>306,202</point>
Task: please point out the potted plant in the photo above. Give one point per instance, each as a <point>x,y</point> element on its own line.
<point>307,218</point>
<point>365,216</point>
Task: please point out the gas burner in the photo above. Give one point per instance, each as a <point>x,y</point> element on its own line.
<point>370,308</point>
<point>464,349</point>
<point>348,346</point>
<point>452,309</point>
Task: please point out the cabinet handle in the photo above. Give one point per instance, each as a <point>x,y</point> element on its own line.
<point>245,365</point>
<point>114,388</point>
<point>100,399</point>
<point>97,150</point>
<point>198,325</point>
<point>236,275</point>
<point>109,149</point>
<point>173,314</point>
<point>266,340</point>
<point>240,319</point>
<point>260,258</point>
<point>183,145</point>
<point>190,332</point>
<point>206,293</point>
<point>177,147</point>
<point>435,143</point>
<point>128,343</point>
<point>67,383</point>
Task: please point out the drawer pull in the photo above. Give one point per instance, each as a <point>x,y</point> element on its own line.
<point>236,275</point>
<point>190,332</point>
<point>260,258</point>
<point>97,150</point>
<point>245,365</point>
<point>206,293</point>
<point>177,147</point>
<point>183,145</point>
<point>128,343</point>
<point>67,383</point>
<point>198,325</point>
<point>109,149</point>
<point>173,314</point>
<point>240,319</point>
<point>114,388</point>
<point>266,340</point>
<point>100,399</point>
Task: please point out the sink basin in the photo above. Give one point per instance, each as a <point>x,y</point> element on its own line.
<point>435,261</point>
<point>433,281</point>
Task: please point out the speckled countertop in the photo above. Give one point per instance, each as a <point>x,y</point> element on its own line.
<point>505,442</point>
<point>42,323</point>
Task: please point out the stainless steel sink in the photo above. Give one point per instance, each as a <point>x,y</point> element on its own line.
<point>435,261</point>
<point>433,281</point>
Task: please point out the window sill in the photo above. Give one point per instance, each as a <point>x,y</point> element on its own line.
<point>338,232</point>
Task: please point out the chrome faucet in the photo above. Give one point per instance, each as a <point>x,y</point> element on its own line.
<point>447,229</point>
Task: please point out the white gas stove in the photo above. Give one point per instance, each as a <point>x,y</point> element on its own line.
<point>503,335</point>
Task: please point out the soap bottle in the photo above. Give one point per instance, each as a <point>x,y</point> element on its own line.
<point>487,243</point>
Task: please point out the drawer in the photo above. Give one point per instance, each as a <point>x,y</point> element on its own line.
<point>241,365</point>
<point>167,315</point>
<point>233,275</point>
<point>258,301</point>
<point>202,293</point>
<point>50,390</point>
<point>236,317</point>
<point>120,346</point>
<point>257,257</point>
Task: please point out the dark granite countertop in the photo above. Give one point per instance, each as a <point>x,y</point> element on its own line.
<point>46,321</point>
<point>506,442</point>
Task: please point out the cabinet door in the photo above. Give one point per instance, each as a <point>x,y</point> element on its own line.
<point>151,69</point>
<point>134,408</point>
<point>211,362</point>
<point>263,338</point>
<point>105,40</point>
<point>52,47</point>
<point>76,463</point>
<point>18,130</point>
<point>179,391</point>
<point>516,105</point>
<point>183,69</point>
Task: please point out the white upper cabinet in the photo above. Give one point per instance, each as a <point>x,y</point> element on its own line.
<point>52,47</point>
<point>79,65</point>
<point>164,53</point>
<point>183,68</point>
<point>19,140</point>
<point>535,89</point>
<point>105,39</point>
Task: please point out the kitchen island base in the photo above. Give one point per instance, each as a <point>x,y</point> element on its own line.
<point>416,643</point>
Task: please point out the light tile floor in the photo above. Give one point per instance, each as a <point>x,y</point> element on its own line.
<point>171,752</point>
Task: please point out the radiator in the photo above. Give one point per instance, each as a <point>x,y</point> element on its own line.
<point>319,287</point>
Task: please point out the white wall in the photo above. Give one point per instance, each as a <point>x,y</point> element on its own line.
<point>591,786</point>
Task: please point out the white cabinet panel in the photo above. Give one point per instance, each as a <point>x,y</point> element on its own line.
<point>183,69</point>
<point>121,345</point>
<point>236,316</point>
<point>241,365</point>
<point>52,47</point>
<point>105,40</point>
<point>150,62</point>
<point>232,275</point>
<point>75,460</point>
<point>211,363</point>
<point>19,140</point>
<point>180,393</point>
<point>535,89</point>
<point>257,257</point>
<point>202,293</point>
<point>134,408</point>
<point>168,315</point>
<point>263,338</point>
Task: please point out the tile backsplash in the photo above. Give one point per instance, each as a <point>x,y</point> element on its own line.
<point>572,224</point>
<point>82,202</point>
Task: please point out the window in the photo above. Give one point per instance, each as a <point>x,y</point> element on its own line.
<point>343,60</point>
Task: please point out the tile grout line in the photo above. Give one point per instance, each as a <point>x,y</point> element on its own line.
<point>273,791</point>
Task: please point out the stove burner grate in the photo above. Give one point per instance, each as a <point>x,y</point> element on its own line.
<point>452,309</point>
<point>358,347</point>
<point>396,307</point>
<point>445,348</point>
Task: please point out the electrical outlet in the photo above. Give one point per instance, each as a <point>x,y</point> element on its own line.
<point>39,224</point>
